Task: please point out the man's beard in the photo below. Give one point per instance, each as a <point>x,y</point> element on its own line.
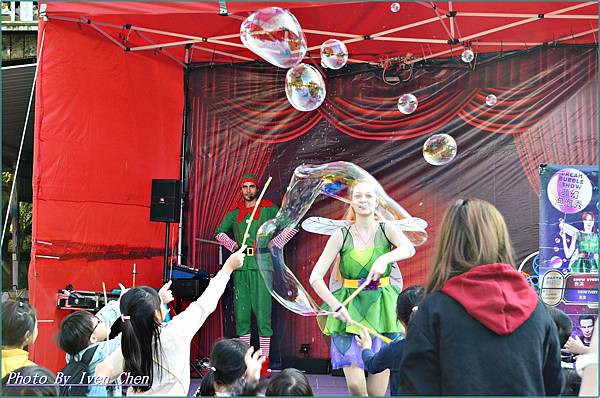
<point>249,198</point>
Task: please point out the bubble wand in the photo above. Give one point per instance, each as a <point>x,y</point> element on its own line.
<point>247,232</point>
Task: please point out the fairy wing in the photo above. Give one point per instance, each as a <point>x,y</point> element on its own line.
<point>322,225</point>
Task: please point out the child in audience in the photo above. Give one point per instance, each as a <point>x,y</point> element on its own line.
<point>45,386</point>
<point>390,356</point>
<point>290,382</point>
<point>564,326</point>
<point>235,369</point>
<point>82,331</point>
<point>159,353</point>
<point>480,330</point>
<point>19,329</point>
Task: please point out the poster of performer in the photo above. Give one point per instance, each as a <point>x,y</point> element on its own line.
<point>568,263</point>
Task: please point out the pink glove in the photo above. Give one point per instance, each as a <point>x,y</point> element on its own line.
<point>226,241</point>
<point>284,237</point>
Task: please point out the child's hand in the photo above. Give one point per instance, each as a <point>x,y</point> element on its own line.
<point>165,293</point>
<point>364,340</point>
<point>576,346</point>
<point>123,291</point>
<point>253,364</point>
<point>235,261</point>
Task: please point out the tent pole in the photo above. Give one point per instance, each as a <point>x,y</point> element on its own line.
<point>165,52</point>
<point>222,53</point>
<point>166,265</point>
<point>184,180</point>
<point>451,20</point>
<point>509,15</point>
<point>524,21</point>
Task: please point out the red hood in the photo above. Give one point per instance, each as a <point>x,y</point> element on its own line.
<point>495,294</point>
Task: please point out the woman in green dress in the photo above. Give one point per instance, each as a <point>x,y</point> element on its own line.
<point>583,248</point>
<point>365,255</point>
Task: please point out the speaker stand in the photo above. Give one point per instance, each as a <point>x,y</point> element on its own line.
<point>166,267</point>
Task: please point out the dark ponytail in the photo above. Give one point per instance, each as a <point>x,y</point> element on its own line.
<point>207,386</point>
<point>228,367</point>
<point>408,299</point>
<point>140,340</point>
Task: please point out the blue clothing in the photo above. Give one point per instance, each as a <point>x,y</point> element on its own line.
<point>388,357</point>
<point>108,314</point>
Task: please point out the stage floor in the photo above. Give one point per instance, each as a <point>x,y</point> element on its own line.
<point>322,385</point>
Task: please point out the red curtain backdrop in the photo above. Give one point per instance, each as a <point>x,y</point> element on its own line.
<point>103,131</point>
<point>240,121</point>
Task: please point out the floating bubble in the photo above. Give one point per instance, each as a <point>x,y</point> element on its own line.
<point>491,100</point>
<point>334,54</point>
<point>439,149</point>
<point>467,55</point>
<point>555,249</point>
<point>308,183</point>
<point>555,262</point>
<point>304,87</point>
<point>557,240</point>
<point>407,104</point>
<point>275,35</point>
<point>395,7</point>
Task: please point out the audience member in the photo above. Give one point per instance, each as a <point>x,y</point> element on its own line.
<point>290,382</point>
<point>83,332</point>
<point>235,369</point>
<point>19,329</point>
<point>565,328</point>
<point>159,354</point>
<point>480,330</point>
<point>30,381</point>
<point>390,356</point>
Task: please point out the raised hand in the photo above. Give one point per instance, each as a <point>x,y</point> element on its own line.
<point>576,346</point>
<point>165,293</point>
<point>364,341</point>
<point>254,362</point>
<point>236,260</point>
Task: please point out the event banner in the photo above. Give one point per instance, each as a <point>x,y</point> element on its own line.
<point>568,263</point>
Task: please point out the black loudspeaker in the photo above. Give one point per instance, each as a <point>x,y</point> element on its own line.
<point>165,204</point>
<point>189,288</point>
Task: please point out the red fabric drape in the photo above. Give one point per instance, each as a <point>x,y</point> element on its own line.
<point>103,131</point>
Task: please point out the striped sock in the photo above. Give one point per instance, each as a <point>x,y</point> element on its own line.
<point>246,338</point>
<point>265,345</point>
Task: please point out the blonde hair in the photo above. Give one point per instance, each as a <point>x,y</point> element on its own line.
<point>349,215</point>
<point>473,232</point>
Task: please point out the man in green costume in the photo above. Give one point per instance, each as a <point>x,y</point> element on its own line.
<point>250,292</point>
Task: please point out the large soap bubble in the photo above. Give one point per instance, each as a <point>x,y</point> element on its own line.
<point>304,87</point>
<point>491,100</point>
<point>307,184</point>
<point>334,54</point>
<point>407,103</point>
<point>439,149</point>
<point>395,7</point>
<point>275,35</point>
